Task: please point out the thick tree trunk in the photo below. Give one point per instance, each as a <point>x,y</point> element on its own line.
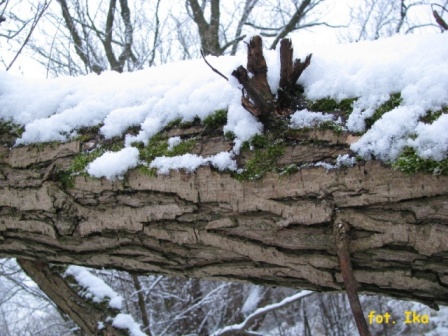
<point>273,231</point>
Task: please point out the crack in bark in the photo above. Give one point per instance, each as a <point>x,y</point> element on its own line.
<point>209,225</point>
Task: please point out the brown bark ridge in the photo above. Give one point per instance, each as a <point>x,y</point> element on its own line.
<point>273,231</point>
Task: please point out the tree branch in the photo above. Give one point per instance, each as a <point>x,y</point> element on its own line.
<point>219,73</point>
<point>440,21</point>
<point>33,26</point>
<point>241,327</point>
<point>85,314</point>
<point>340,230</point>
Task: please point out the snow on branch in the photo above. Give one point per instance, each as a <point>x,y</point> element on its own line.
<point>233,329</point>
<point>98,291</point>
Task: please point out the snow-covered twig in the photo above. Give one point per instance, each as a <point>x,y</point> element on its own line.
<point>233,329</point>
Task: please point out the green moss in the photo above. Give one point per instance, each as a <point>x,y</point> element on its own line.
<point>229,135</point>
<point>184,147</point>
<point>266,153</point>
<point>152,172</point>
<point>216,120</point>
<point>178,123</point>
<point>175,123</point>
<point>8,127</point>
<point>344,106</point>
<point>64,177</point>
<point>258,141</point>
<point>432,116</point>
<point>158,146</point>
<point>410,163</point>
<point>331,125</point>
<point>393,102</point>
<point>9,132</point>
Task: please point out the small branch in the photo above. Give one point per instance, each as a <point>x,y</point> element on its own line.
<point>241,327</point>
<point>219,73</point>
<point>340,231</point>
<point>33,26</point>
<point>441,22</point>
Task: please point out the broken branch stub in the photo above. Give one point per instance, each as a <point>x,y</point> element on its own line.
<point>259,100</point>
<point>289,71</point>
<point>289,99</point>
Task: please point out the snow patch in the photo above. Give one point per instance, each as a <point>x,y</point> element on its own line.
<point>190,162</point>
<point>125,321</point>
<point>305,118</point>
<point>95,288</point>
<point>112,165</point>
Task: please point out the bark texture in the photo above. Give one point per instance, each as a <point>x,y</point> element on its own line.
<point>273,231</point>
<point>86,314</point>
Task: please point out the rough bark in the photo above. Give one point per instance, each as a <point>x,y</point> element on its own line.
<point>273,231</point>
<point>83,312</point>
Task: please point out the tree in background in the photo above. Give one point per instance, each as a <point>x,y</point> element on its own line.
<point>17,27</point>
<point>372,19</point>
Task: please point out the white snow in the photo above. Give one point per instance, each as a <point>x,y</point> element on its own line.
<point>251,302</point>
<point>125,321</point>
<point>432,140</point>
<point>190,162</point>
<point>223,161</point>
<point>305,118</point>
<point>173,142</point>
<point>114,164</point>
<point>414,65</point>
<point>95,288</point>
<point>260,311</point>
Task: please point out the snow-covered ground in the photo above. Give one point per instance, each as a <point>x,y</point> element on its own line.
<point>414,65</point>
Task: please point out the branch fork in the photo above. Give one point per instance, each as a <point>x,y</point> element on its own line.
<point>257,96</point>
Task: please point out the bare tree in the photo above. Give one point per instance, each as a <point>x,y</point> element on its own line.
<point>286,17</point>
<point>373,19</point>
<point>272,20</point>
<point>209,32</point>
<point>18,28</point>
<point>83,37</point>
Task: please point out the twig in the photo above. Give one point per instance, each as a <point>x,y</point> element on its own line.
<point>441,22</point>
<point>219,73</point>
<point>37,18</point>
<point>340,231</point>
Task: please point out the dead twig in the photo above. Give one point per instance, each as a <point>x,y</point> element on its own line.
<point>441,22</point>
<point>219,73</point>
<point>340,231</point>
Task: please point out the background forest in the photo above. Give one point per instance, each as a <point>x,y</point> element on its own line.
<point>74,37</point>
